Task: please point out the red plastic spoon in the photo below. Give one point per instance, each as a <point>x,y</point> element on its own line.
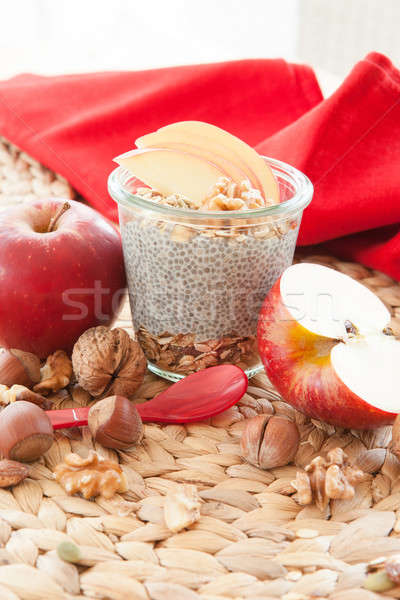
<point>194,398</point>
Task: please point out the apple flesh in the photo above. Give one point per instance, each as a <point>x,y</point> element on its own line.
<point>230,170</point>
<point>61,272</point>
<point>326,347</point>
<point>172,171</point>
<point>231,153</point>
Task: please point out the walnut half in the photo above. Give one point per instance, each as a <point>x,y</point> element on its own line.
<point>182,507</point>
<point>91,476</point>
<point>20,392</point>
<point>327,479</point>
<point>56,374</point>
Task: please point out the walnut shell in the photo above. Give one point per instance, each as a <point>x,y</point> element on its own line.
<point>107,362</point>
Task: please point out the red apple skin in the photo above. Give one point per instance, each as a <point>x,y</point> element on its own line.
<point>298,364</point>
<point>36,269</point>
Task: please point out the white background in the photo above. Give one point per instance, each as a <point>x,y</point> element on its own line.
<point>64,36</point>
<point>76,35</point>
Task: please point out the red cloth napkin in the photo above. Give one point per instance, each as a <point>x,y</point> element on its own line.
<point>348,144</point>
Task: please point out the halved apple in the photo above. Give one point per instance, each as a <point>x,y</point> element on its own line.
<point>325,344</point>
<point>223,148</point>
<point>172,171</point>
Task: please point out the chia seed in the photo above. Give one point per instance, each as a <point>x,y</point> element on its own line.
<point>212,286</point>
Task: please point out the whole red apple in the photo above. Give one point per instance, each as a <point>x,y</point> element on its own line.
<point>61,271</point>
<point>327,348</point>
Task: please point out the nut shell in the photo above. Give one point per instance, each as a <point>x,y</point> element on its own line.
<point>12,472</point>
<point>270,442</point>
<point>25,432</point>
<point>108,362</point>
<point>252,437</point>
<point>280,444</point>
<point>18,367</point>
<point>115,423</point>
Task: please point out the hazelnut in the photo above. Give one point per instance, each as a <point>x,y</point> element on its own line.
<point>18,367</point>
<point>269,442</point>
<point>115,423</point>
<point>107,361</point>
<point>25,431</point>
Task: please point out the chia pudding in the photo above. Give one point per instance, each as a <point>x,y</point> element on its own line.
<point>196,289</point>
<point>208,225</point>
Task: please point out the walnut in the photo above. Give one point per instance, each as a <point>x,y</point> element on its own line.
<point>228,195</point>
<point>20,392</point>
<point>182,507</point>
<point>222,202</point>
<point>225,195</point>
<point>107,362</point>
<point>56,373</point>
<point>327,479</point>
<point>91,476</point>
<point>184,354</point>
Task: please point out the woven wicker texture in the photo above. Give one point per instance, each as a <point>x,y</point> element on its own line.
<point>252,539</point>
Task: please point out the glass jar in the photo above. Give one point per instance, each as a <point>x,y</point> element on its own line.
<point>197,280</point>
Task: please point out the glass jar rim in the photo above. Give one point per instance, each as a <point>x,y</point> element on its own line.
<point>301,198</point>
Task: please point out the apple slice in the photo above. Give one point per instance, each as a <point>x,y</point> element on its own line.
<point>221,144</point>
<point>325,344</point>
<point>232,171</point>
<point>172,171</point>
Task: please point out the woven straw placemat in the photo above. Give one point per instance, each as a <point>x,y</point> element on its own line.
<point>252,540</point>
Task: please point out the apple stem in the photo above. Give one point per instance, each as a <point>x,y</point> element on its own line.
<point>54,220</point>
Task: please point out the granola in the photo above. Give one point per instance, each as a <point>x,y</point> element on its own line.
<point>183,354</point>
<point>173,200</point>
<point>225,195</point>
<point>228,195</point>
